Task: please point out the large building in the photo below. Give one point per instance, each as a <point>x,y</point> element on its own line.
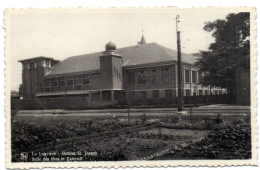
<point>143,72</point>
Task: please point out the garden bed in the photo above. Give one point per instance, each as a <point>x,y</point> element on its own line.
<point>112,138</point>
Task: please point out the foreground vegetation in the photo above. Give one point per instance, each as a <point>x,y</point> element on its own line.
<point>115,138</point>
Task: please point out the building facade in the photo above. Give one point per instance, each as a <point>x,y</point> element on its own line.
<point>147,71</point>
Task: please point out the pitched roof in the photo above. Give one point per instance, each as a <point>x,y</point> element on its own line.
<point>133,55</point>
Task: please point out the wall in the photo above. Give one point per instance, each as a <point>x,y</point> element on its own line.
<point>111,72</point>
<point>106,72</point>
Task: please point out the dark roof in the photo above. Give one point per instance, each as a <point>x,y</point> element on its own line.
<point>35,58</point>
<point>133,55</point>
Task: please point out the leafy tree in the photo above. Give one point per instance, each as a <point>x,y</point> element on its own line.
<point>229,52</point>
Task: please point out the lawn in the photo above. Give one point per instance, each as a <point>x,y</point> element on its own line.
<point>117,138</point>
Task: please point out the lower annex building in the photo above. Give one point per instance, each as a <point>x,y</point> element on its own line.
<point>143,73</point>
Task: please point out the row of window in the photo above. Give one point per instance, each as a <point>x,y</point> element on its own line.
<point>161,75</point>
<point>77,82</point>
<point>172,93</point>
<point>166,75</point>
<point>32,65</point>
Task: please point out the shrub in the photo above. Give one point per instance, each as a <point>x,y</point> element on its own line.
<point>218,119</point>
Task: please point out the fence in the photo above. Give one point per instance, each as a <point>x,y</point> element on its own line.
<point>60,103</point>
<point>82,103</point>
<point>196,100</point>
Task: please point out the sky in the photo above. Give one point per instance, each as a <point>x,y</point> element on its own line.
<point>63,33</point>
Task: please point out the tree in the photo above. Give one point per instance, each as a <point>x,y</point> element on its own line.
<point>229,52</point>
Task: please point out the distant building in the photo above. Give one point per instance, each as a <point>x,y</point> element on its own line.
<point>15,95</point>
<point>144,71</point>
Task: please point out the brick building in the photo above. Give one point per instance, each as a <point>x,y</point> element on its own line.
<point>143,72</point>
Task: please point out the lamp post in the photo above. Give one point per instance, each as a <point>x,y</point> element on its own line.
<point>180,93</point>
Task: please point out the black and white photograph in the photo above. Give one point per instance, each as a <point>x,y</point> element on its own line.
<point>120,85</point>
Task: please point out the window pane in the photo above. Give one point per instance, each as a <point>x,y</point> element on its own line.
<point>154,76</point>
<point>155,93</point>
<point>130,78</point>
<point>85,81</point>
<point>200,92</point>
<point>187,92</point>
<point>39,63</point>
<point>194,77</point>
<point>54,82</point>
<point>70,82</point>
<point>143,94</point>
<point>61,81</point>
<point>168,93</point>
<point>32,65</point>
<point>77,79</point>
<point>187,76</point>
<point>141,77</point>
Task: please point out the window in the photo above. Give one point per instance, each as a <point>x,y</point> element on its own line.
<point>32,65</point>
<point>95,96</point>
<point>187,92</point>
<point>48,63</point>
<point>200,92</point>
<point>130,78</point>
<point>25,66</point>
<point>78,82</point>
<point>141,77</point>
<point>70,81</point>
<point>39,63</point>
<point>168,93</point>
<point>206,92</point>
<point>194,77</point>
<point>154,76</point>
<point>54,82</point>
<point>155,93</point>
<point>143,94</point>
<point>187,76</point>
<point>216,92</point>
<point>167,75</point>
<point>61,81</point>
<point>85,79</point>
<point>77,79</point>
<point>106,95</point>
<point>220,92</point>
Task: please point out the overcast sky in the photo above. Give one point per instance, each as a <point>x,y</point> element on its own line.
<point>61,34</point>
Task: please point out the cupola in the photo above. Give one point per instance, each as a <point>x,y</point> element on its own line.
<point>110,46</point>
<point>111,49</point>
